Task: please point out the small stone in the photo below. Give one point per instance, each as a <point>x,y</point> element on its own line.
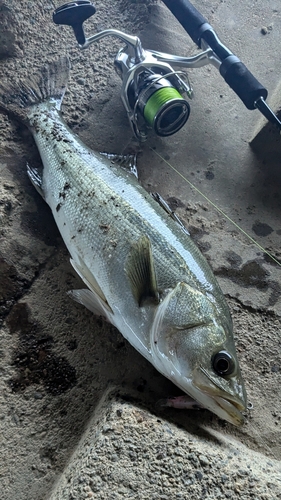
<point>8,186</point>
<point>203,460</point>
<point>193,458</point>
<point>81,81</point>
<point>264,30</point>
<point>37,395</point>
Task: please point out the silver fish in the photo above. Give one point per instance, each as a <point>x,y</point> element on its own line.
<point>141,269</point>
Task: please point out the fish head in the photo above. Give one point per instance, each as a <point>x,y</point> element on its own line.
<point>192,345</point>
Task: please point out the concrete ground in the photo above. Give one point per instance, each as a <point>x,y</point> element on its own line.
<point>77,403</point>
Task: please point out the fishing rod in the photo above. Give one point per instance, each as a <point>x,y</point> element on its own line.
<point>154,94</point>
<point>251,92</point>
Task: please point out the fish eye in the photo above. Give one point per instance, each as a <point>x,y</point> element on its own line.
<point>223,363</point>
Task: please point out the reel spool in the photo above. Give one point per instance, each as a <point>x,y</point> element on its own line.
<point>161,104</point>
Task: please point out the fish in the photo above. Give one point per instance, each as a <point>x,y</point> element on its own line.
<point>141,269</point>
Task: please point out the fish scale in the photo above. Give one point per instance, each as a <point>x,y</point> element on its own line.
<point>142,271</point>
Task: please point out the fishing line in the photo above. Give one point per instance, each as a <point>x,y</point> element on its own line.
<point>218,209</point>
<point>157,100</point>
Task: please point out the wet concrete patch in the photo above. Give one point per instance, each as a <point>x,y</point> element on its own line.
<point>41,225</point>
<point>204,246</point>
<point>275,292</point>
<point>262,229</point>
<point>175,203</point>
<point>233,258</point>
<point>209,175</point>
<point>273,262</point>
<point>197,233</point>
<point>34,357</point>
<point>251,274</point>
<point>12,286</point>
<point>9,287</point>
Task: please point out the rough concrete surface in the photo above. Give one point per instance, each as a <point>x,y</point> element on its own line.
<point>77,402</point>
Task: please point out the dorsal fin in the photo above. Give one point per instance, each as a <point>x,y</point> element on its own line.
<point>169,211</point>
<point>128,162</point>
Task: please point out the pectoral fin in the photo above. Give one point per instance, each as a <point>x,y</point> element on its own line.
<point>91,301</point>
<point>141,273</point>
<point>91,282</point>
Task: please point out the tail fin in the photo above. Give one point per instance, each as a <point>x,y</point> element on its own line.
<point>48,85</point>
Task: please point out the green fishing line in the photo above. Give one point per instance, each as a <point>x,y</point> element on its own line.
<point>156,101</point>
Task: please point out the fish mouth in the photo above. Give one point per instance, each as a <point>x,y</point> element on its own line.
<point>227,406</point>
<point>233,410</point>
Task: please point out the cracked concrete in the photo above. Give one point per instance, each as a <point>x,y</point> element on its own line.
<point>78,416</point>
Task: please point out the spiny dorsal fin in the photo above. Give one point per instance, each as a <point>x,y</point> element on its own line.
<point>169,211</point>
<point>141,273</point>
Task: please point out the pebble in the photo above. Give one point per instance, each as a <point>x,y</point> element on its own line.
<point>37,395</point>
<point>266,29</point>
<point>203,460</point>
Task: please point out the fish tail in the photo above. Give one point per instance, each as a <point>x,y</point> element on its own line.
<point>49,84</point>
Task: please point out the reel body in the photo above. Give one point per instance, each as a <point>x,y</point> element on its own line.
<point>152,94</point>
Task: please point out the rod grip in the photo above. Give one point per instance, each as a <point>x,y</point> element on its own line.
<point>234,72</point>
<point>188,16</point>
<point>242,81</point>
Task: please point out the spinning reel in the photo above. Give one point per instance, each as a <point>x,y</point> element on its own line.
<point>153,93</point>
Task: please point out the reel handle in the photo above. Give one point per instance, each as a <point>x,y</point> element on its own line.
<point>74,14</point>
